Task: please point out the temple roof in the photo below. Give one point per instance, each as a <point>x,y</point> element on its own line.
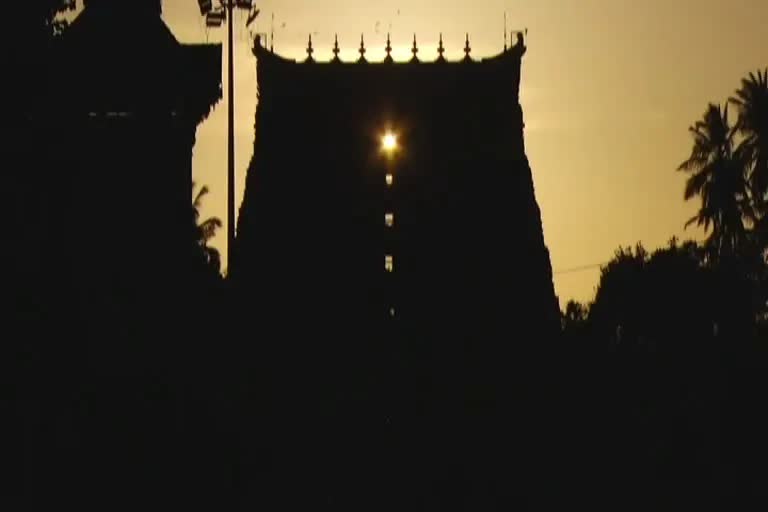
<point>511,55</point>
<point>390,81</point>
<point>122,57</point>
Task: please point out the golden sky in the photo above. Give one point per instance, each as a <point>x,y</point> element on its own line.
<point>609,89</point>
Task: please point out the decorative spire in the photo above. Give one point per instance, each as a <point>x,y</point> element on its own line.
<point>467,49</point>
<point>388,58</point>
<point>310,50</point>
<point>336,49</point>
<point>414,50</point>
<point>519,47</point>
<point>441,50</point>
<point>521,38</point>
<point>362,49</point>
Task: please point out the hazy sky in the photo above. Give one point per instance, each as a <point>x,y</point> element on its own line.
<point>609,89</point>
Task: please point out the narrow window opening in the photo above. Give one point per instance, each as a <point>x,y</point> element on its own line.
<point>389,219</point>
<point>389,263</point>
<point>390,179</point>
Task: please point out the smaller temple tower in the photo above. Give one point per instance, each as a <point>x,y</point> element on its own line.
<point>120,124</point>
<point>106,335</point>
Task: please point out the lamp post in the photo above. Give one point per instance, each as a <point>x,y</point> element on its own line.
<point>215,17</point>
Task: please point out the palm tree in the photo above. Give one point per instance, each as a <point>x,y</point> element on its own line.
<point>717,175</point>
<point>751,100</point>
<point>206,230</point>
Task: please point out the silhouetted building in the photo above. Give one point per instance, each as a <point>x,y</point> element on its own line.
<point>439,232</point>
<point>108,257</point>
<point>125,99</point>
<point>390,239</point>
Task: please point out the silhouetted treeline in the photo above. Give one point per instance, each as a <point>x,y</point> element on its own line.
<point>670,360</point>
<point>667,369</point>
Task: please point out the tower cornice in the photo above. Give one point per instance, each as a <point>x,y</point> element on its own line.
<point>511,55</point>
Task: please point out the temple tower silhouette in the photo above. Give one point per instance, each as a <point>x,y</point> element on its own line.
<point>449,209</point>
<point>390,255</point>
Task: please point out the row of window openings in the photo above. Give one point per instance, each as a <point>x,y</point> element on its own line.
<point>389,221</point>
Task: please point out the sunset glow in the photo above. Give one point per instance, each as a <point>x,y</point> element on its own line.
<point>657,77</point>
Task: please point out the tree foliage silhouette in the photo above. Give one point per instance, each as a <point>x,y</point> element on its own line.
<point>728,169</point>
<point>673,296</point>
<point>574,322</point>
<point>717,176</point>
<point>43,14</point>
<point>205,231</point>
<point>575,313</point>
<point>751,100</point>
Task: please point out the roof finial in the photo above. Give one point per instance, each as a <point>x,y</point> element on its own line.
<point>414,50</point>
<point>441,50</point>
<point>388,58</point>
<point>310,50</point>
<point>336,48</point>
<point>467,49</point>
<point>362,49</point>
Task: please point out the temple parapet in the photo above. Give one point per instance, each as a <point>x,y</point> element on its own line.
<point>515,52</point>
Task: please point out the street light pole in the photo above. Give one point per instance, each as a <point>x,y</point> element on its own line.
<point>231,142</point>
<point>214,17</point>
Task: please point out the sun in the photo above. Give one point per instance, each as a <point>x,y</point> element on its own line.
<point>389,142</point>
